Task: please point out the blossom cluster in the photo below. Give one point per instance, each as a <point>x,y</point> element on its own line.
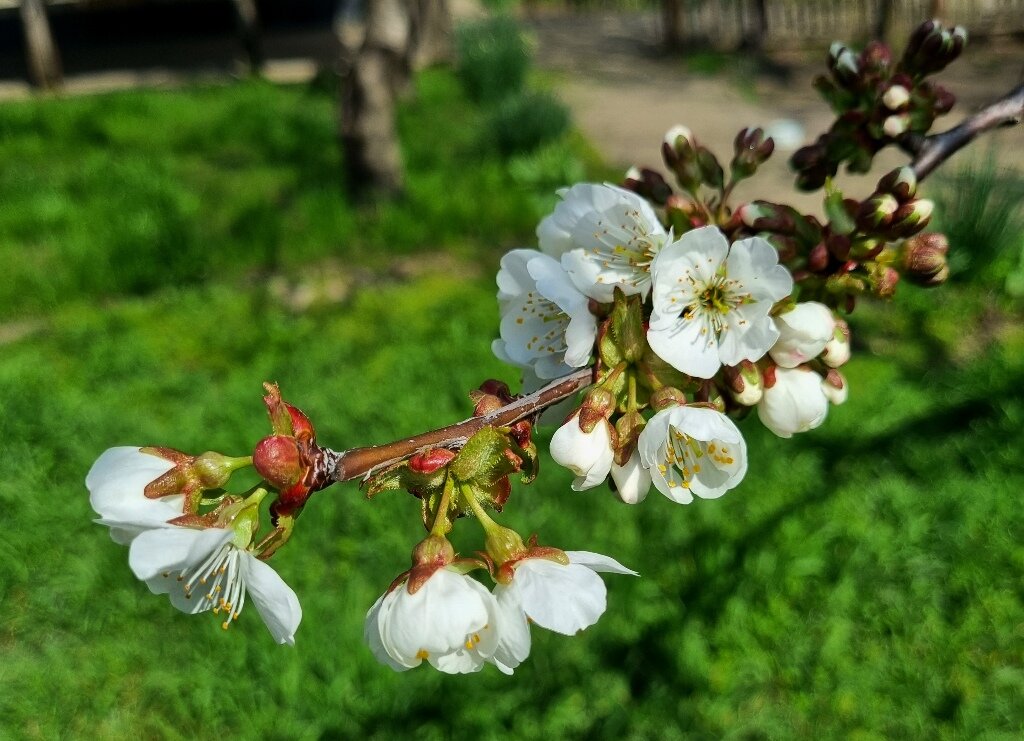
<point>691,328</point>
<point>434,612</point>
<point>675,313</point>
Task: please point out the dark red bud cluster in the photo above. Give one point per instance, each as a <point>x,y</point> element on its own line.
<point>290,460</point>
<point>878,103</point>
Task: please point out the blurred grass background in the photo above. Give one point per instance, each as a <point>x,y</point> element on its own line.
<point>167,251</point>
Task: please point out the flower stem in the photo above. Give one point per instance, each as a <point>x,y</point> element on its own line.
<point>364,462</point>
<point>440,527</point>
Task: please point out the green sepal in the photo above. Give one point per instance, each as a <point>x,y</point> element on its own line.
<point>626,329</point>
<point>839,219</point>
<point>656,374</point>
<point>390,479</point>
<point>711,171</point>
<point>531,462</point>
<point>483,457</point>
<point>607,348</point>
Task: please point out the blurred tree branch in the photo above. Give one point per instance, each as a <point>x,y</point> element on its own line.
<point>931,151</point>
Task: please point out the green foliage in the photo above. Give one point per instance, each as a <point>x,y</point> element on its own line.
<point>493,58</point>
<point>523,122</point>
<point>128,192</point>
<point>979,209</point>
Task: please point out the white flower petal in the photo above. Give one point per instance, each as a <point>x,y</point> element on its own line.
<point>632,481</point>
<point>599,562</point>
<point>565,599</point>
<point>514,639</point>
<point>687,345</point>
<point>119,477</point>
<point>172,549</point>
<point>275,601</point>
<point>755,263</point>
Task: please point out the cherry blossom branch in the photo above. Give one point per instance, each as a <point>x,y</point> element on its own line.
<point>931,151</point>
<point>364,462</point>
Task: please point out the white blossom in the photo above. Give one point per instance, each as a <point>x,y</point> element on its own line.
<point>451,621</point>
<point>546,324</point>
<point>117,483</point>
<point>632,480</point>
<point>212,569</point>
<point>605,237</point>
<point>794,403</point>
<point>693,451</point>
<point>565,598</point>
<point>711,301</point>
<point>589,455</point>
<point>804,331</point>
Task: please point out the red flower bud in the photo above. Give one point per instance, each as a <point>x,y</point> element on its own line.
<point>431,460</point>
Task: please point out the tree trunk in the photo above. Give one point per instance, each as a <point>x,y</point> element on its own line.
<point>883,22</point>
<point>432,33</point>
<point>43,59</point>
<point>671,14</point>
<point>249,31</point>
<point>381,67</point>
<point>755,34</point>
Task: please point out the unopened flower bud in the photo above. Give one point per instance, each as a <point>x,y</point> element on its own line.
<point>679,150</point>
<point>876,213</point>
<point>911,218</point>
<point>588,454</point>
<point>883,280</point>
<point>837,349</point>
<point>901,183</point>
<point>678,131</point>
<point>598,405</point>
<point>666,397</point>
<point>875,58</point>
<point>277,459</point>
<point>745,384</point>
<point>767,217</point>
<point>843,64</point>
<point>896,97</point>
<point>803,332</point>
<point>431,461</point>
<point>793,401</point>
<point>835,387</point>
<point>817,258</point>
<point>632,480</point>
<point>896,124</point>
<point>751,150</point>
<point>649,184</point>
<point>924,259</point>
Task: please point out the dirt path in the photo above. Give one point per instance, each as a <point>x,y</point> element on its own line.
<point>625,94</point>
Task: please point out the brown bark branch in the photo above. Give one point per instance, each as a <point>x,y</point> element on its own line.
<point>931,151</point>
<point>364,462</point>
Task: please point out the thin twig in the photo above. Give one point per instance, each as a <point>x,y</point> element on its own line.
<point>933,150</point>
<point>352,464</point>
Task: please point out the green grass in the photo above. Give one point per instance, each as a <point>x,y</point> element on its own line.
<point>122,193</point>
<point>863,581</point>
